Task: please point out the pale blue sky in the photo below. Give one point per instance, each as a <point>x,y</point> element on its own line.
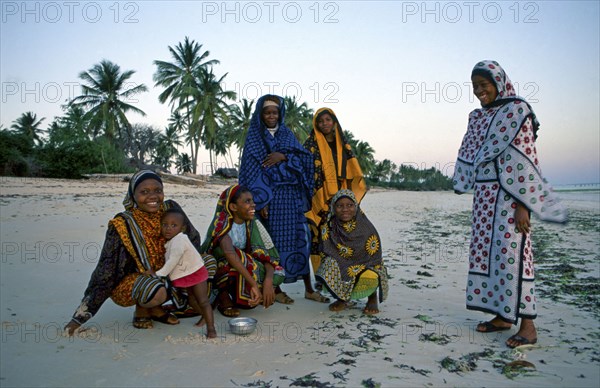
<point>396,73</point>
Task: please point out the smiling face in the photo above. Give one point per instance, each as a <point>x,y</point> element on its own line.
<point>171,225</point>
<point>243,208</point>
<point>345,209</point>
<point>148,195</point>
<point>484,90</point>
<point>270,116</point>
<point>325,124</point>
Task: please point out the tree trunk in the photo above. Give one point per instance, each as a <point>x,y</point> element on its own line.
<point>198,140</point>
<point>190,132</point>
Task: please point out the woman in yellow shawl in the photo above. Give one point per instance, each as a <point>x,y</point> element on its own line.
<point>336,168</point>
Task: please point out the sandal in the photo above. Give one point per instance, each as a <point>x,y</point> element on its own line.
<point>167,318</point>
<point>225,305</point>
<point>489,327</point>
<point>187,313</point>
<point>520,341</point>
<point>142,323</point>
<point>229,311</point>
<point>338,305</point>
<point>282,297</point>
<point>316,296</point>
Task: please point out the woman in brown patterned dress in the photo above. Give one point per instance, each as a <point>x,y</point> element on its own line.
<point>132,249</point>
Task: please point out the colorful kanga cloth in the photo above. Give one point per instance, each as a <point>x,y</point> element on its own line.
<point>334,171</point>
<point>498,161</point>
<point>286,188</point>
<point>258,249</point>
<point>132,245</point>
<point>351,253</point>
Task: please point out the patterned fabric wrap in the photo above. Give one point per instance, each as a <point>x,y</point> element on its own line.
<point>259,250</point>
<point>132,245</point>
<point>286,187</point>
<point>504,133</point>
<point>498,160</point>
<point>332,173</point>
<point>348,250</point>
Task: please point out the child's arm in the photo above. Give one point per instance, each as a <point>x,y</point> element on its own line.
<point>232,258</point>
<point>173,255</point>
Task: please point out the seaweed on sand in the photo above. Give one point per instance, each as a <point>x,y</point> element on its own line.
<point>424,318</point>
<point>422,372</point>
<point>560,269</point>
<point>308,380</point>
<point>369,383</point>
<point>344,361</point>
<point>259,383</point>
<point>465,363</point>
<point>341,375</point>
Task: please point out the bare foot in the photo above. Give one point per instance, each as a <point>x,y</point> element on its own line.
<point>211,333</point>
<point>371,308</point>
<point>338,305</point>
<point>71,328</point>
<point>200,323</point>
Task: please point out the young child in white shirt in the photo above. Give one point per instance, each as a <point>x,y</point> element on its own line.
<point>185,267</point>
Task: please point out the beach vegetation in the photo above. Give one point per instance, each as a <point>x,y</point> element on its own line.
<point>95,134</point>
<point>15,149</point>
<point>193,90</point>
<point>106,91</point>
<point>29,126</point>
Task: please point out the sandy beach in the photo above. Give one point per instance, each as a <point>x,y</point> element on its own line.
<point>52,232</point>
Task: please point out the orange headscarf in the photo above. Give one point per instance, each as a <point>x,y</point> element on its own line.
<point>330,175</point>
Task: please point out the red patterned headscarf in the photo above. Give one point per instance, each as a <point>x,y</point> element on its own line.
<point>222,220</point>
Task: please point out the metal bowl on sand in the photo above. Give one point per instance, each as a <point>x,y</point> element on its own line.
<point>242,325</point>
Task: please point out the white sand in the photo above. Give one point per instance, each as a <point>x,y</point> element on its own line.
<point>52,231</point>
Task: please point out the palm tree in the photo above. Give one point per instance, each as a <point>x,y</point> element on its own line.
<point>183,163</point>
<point>104,98</point>
<point>75,120</point>
<point>383,170</point>
<point>298,118</point>
<point>167,146</point>
<point>177,122</point>
<point>210,112</point>
<point>363,152</point>
<point>140,142</point>
<point>366,156</point>
<point>28,125</point>
<point>180,79</point>
<point>239,118</point>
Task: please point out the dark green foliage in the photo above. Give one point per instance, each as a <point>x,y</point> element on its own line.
<point>72,159</point>
<point>404,177</point>
<point>15,147</point>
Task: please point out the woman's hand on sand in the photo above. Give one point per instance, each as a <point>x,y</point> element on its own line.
<point>71,327</point>
<point>255,296</point>
<point>273,158</point>
<point>522,220</point>
<point>268,293</point>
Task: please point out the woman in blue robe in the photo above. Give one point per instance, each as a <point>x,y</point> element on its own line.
<point>279,172</point>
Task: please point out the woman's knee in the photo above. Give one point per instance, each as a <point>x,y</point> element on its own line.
<point>159,298</point>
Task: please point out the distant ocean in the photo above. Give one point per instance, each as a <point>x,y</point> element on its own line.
<point>579,192</point>
<point>578,187</point>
